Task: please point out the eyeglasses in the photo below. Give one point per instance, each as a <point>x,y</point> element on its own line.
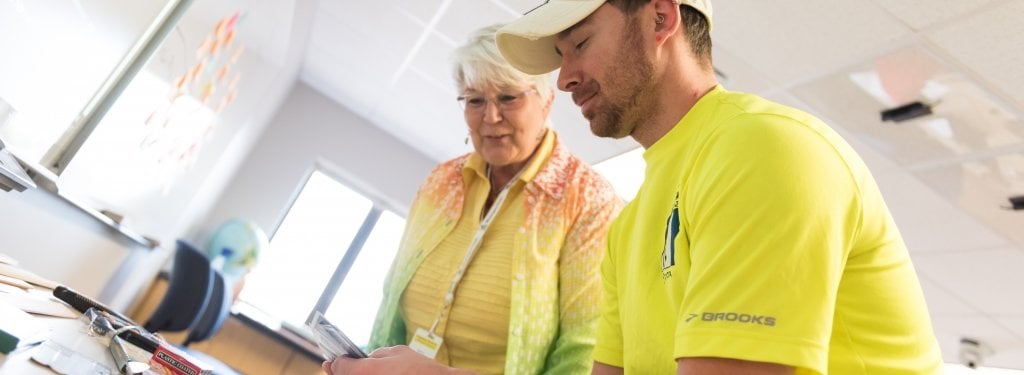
<point>504,101</point>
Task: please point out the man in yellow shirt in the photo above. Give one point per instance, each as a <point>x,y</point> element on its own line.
<point>758,243</point>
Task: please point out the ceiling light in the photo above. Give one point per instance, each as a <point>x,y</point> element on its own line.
<point>906,112</point>
<point>1016,202</point>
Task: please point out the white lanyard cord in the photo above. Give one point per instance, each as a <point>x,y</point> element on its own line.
<point>478,238</point>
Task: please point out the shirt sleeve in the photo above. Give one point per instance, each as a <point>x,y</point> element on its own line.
<point>580,279</point>
<point>769,215</point>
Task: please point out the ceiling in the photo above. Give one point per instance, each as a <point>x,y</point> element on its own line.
<point>946,176</point>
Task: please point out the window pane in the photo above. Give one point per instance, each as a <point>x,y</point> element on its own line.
<point>355,305</point>
<point>194,101</point>
<point>306,249</point>
<point>625,172</point>
<point>55,56</point>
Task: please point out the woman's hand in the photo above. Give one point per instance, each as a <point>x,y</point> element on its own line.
<point>391,360</point>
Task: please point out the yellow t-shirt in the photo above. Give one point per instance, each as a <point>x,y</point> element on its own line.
<point>760,235</point>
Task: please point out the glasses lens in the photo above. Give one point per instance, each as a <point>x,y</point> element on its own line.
<point>474,104</point>
<point>509,101</point>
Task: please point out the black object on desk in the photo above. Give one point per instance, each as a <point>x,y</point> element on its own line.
<point>82,303</point>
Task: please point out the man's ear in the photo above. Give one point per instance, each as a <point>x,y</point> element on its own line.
<point>667,19</point>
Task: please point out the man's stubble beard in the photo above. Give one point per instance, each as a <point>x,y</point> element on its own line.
<point>629,91</point>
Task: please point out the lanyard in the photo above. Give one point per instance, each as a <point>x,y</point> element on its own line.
<point>478,239</point>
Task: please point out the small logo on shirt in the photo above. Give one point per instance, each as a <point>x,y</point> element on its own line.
<point>668,251</point>
<point>734,317</point>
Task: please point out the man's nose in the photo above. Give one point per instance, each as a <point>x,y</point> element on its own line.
<point>568,76</point>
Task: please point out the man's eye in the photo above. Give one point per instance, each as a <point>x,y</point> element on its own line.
<point>581,44</point>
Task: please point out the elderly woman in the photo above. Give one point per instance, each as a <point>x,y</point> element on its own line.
<point>498,269</point>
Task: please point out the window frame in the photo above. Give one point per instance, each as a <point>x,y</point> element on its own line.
<point>348,259</point>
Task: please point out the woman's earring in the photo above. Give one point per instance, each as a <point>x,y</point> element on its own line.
<point>467,139</point>
<point>660,20</point>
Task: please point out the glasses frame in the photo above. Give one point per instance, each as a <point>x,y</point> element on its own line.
<point>502,107</point>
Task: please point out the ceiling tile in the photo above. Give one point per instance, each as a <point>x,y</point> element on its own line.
<point>988,280</point>
<point>1005,346</point>
<point>1014,323</point>
<point>419,10</point>
<point>518,6</point>
<point>738,75</point>
<point>920,14</point>
<point>791,40</point>
<point>930,223</point>
<point>336,80</point>
<point>990,43</point>
<point>336,64</point>
<point>434,60</point>
<point>457,25</point>
<point>964,120</point>
<point>982,189</point>
<point>345,44</point>
<point>360,22</point>
<point>423,116</point>
<point>942,303</point>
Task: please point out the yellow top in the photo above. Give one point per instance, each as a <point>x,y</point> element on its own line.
<point>759,234</point>
<point>556,256</point>
<point>475,330</point>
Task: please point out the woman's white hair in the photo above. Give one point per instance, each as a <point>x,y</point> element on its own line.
<point>478,64</point>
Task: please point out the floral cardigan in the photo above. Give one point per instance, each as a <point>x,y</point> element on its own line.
<point>557,252</point>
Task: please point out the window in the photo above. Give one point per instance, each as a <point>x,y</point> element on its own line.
<point>131,105</point>
<point>318,256</point>
<point>355,305</point>
<point>39,39</point>
<point>624,171</point>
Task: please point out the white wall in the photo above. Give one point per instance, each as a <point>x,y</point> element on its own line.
<point>310,130</point>
<point>59,241</point>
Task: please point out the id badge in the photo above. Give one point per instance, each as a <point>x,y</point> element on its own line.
<point>425,343</point>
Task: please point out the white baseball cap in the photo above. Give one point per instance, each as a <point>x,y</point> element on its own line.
<point>529,42</point>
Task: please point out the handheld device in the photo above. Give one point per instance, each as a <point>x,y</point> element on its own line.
<point>333,343</point>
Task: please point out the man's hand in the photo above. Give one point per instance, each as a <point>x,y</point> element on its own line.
<point>392,360</point>
<point>604,369</point>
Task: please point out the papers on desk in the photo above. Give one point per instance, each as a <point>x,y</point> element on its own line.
<point>66,361</point>
<point>16,289</point>
<point>37,302</point>
<point>18,328</point>
<point>16,272</point>
<point>15,282</point>
<point>6,259</point>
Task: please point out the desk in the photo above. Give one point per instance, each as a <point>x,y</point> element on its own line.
<point>69,333</point>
